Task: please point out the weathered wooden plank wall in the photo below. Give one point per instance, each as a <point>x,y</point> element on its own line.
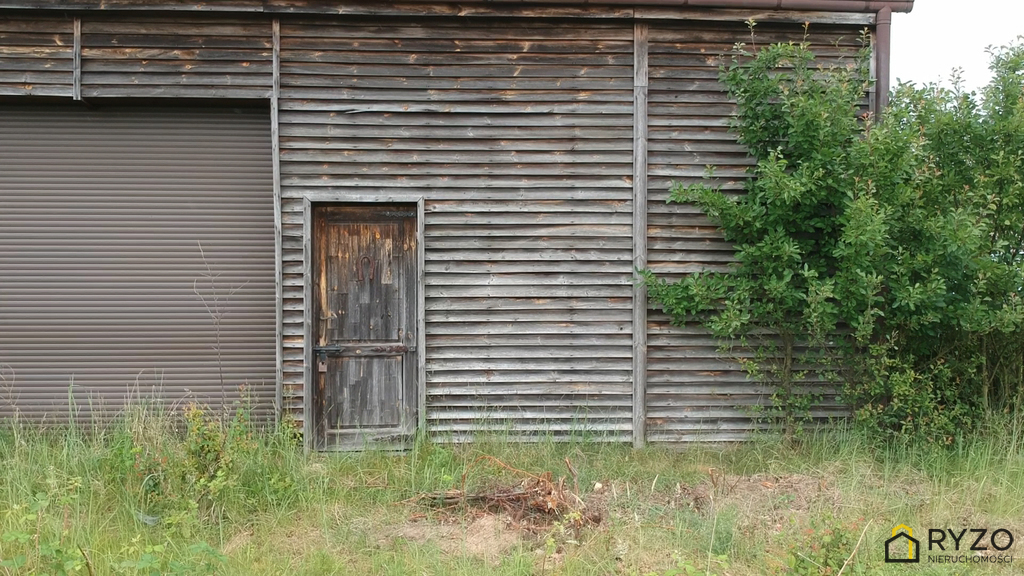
<point>519,136</point>
<point>523,133</point>
<point>176,56</point>
<point>693,392</point>
<point>38,55</point>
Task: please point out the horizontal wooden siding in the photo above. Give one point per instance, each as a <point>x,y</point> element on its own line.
<point>518,134</point>
<point>694,392</point>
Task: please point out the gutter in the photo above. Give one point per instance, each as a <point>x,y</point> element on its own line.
<point>883,46</point>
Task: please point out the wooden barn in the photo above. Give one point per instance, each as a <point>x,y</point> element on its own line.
<point>376,218</point>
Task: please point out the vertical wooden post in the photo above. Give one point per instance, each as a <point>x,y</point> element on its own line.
<point>639,233</point>
<point>76,64</point>
<point>421,315</point>
<point>278,250</point>
<point>308,426</point>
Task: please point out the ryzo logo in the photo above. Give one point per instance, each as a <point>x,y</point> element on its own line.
<point>979,540</point>
<point>938,538</point>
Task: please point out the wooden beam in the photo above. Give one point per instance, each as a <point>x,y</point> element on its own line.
<point>76,54</point>
<point>308,428</point>
<point>740,15</point>
<point>639,233</point>
<point>275,135</point>
<point>821,11</point>
<point>421,315</point>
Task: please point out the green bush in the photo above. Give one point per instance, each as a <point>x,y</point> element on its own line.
<point>889,252</point>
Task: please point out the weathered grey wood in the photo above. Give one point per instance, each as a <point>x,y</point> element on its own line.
<point>129,44</point>
<point>121,91</point>
<point>529,304</point>
<point>666,37</point>
<point>35,39</point>
<point>171,54</point>
<point>367,402</point>
<point>534,352</point>
<point>457,59</point>
<point>324,89</point>
<point>473,363</point>
<point>182,80</point>
<point>565,279</point>
<point>438,244</point>
<point>446,157</point>
<point>308,433</point>
<point>508,72</point>
<point>487,29</point>
<point>76,90</point>
<point>33,76</point>
<point>275,135</point>
<point>454,137</point>
<point>452,82</point>
<point>421,46</point>
<point>148,5</point>
<point>513,291</point>
<point>505,267</point>
<point>538,151</point>
<point>355,140</point>
<point>560,170</point>
<point>431,9</point>
<point>544,230</point>
<point>516,391</point>
<point>505,254</point>
<point>527,315</point>
<point>639,355</point>
<point>34,65</point>
<point>144,68</point>
<point>421,331</point>
<point>409,118</point>
<point>587,401</point>
<point>618,340</point>
<point>163,24</point>
<point>480,9</point>
<point>741,15</point>
<point>37,56</point>
<point>594,191</point>
<point>295,101</point>
<point>618,381</point>
<point>539,182</point>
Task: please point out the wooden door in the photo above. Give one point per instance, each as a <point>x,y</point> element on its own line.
<point>364,316</point>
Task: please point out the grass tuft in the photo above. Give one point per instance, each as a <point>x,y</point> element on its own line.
<point>188,493</point>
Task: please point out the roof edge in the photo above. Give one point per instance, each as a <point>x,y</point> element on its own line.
<point>318,6</point>
<point>869,6</point>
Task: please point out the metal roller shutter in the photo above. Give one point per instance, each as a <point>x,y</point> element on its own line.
<point>105,293</point>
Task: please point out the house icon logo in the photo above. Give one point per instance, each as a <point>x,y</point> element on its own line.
<point>902,541</point>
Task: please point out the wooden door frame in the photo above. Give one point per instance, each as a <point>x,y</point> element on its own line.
<point>310,201</point>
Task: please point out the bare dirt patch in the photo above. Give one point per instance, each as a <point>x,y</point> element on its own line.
<point>762,501</point>
<point>487,536</point>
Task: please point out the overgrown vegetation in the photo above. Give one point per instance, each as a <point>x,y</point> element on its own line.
<point>887,253</point>
<point>150,496</point>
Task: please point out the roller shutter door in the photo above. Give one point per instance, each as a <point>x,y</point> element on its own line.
<point>136,260</point>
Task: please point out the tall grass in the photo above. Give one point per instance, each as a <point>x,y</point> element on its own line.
<point>187,493</point>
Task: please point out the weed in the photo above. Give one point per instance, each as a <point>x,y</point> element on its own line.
<point>150,496</point>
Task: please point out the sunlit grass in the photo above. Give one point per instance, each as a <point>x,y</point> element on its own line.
<point>734,509</point>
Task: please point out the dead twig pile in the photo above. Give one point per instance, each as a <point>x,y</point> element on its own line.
<point>535,501</point>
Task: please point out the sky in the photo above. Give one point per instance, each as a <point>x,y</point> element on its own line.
<point>939,35</point>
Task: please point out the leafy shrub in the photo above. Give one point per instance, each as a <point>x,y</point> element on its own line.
<point>892,249</point>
